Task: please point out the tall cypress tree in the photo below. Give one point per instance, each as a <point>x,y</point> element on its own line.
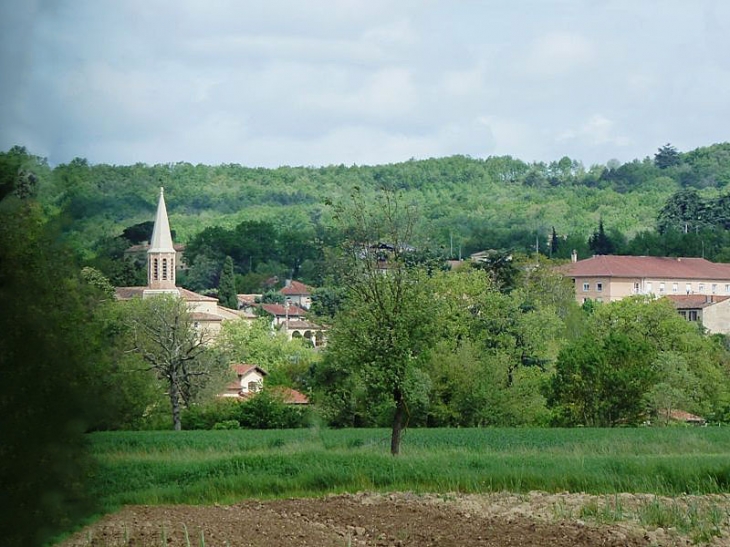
<point>554,243</point>
<point>600,243</point>
<point>227,285</point>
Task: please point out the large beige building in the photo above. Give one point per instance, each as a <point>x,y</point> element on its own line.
<point>605,278</point>
<point>206,312</point>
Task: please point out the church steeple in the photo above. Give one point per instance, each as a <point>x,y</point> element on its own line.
<point>161,241</point>
<point>161,254</point>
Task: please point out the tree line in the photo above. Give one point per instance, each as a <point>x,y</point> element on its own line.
<point>457,196</point>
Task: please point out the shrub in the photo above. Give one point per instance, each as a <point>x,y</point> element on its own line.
<point>267,410</point>
<point>208,415</point>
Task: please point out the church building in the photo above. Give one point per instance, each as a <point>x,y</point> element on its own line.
<point>206,312</point>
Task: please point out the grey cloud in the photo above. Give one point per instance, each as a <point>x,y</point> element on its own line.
<point>357,81</point>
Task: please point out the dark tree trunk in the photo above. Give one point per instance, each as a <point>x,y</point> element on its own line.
<point>175,402</point>
<point>398,419</point>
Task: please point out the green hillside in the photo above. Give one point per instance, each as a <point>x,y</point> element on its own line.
<point>462,201</point>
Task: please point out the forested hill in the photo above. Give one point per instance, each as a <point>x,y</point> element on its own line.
<point>469,202</point>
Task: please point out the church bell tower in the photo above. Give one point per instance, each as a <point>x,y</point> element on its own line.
<point>161,255</point>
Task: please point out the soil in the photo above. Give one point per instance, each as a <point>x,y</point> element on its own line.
<point>397,520</point>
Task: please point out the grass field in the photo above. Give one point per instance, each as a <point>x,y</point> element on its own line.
<point>202,467</point>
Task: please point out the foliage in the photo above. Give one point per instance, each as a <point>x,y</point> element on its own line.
<point>667,156</point>
<point>683,212</point>
<point>287,361</point>
<point>102,200</point>
<point>206,415</point>
<point>601,382</point>
<point>202,274</point>
<point>272,297</point>
<point>267,410</point>
<point>501,268</point>
<point>383,335</point>
<point>327,301</point>
<point>600,243</point>
<point>494,350</point>
<point>140,232</point>
<point>638,358</point>
<point>272,223</point>
<point>21,173</point>
<point>255,247</point>
<point>51,363</point>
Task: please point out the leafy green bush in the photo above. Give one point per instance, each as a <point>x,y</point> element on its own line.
<point>267,410</point>
<point>207,416</point>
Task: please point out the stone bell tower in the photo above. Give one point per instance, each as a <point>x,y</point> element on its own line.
<point>161,255</point>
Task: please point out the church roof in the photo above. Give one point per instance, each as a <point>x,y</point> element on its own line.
<point>190,296</point>
<point>161,241</point>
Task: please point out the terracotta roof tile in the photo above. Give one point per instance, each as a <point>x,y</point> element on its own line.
<point>694,301</point>
<point>190,296</point>
<point>648,266</point>
<point>241,369</point>
<point>280,310</point>
<point>202,316</point>
<point>291,396</point>
<point>296,288</point>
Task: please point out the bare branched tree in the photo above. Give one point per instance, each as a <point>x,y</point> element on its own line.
<point>164,335</point>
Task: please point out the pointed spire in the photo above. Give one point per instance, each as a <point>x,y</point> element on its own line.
<point>161,241</point>
<point>161,255</point>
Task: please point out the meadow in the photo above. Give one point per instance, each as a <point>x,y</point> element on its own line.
<point>205,467</point>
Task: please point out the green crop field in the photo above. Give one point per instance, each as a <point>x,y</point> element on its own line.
<point>223,466</point>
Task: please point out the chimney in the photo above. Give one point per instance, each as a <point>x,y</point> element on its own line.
<point>574,256</point>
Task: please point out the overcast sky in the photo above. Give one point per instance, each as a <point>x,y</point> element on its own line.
<point>319,82</point>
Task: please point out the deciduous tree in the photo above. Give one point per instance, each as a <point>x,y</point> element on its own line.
<point>164,336</point>
<point>383,335</point>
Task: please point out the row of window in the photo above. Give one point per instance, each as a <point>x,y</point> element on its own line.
<point>663,289</point>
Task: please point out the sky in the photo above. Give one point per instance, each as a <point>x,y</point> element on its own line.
<point>327,82</point>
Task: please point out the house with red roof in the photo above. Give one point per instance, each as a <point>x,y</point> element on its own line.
<point>282,313</point>
<point>292,320</point>
<point>250,381</point>
<point>606,278</point>
<point>297,294</point>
